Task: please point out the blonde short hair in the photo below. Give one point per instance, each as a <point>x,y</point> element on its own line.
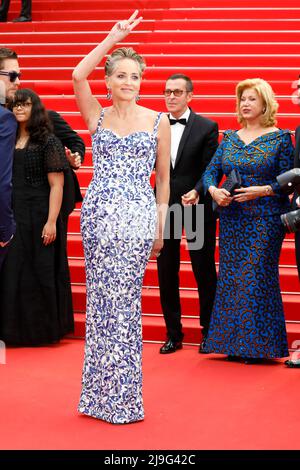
<point>121,54</point>
<point>264,90</point>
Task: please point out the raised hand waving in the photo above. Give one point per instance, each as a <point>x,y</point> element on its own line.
<point>122,28</point>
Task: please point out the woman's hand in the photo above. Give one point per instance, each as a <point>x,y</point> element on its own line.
<point>221,196</point>
<point>157,247</point>
<point>252,192</point>
<point>49,233</point>
<point>192,197</point>
<point>74,159</point>
<point>122,28</point>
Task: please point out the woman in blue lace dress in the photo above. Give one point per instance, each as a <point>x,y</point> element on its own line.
<point>248,320</point>
<point>121,226</point>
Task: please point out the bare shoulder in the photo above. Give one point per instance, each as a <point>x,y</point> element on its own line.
<point>147,113</point>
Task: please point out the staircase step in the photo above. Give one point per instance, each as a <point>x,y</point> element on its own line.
<point>150,13</point>
<point>153,25</point>
<point>154,329</point>
<point>81,49</point>
<point>289,281</point>
<point>49,5</point>
<point>141,35</point>
<point>202,104</point>
<point>287,257</point>
<point>189,302</point>
<point>203,88</point>
<point>225,121</point>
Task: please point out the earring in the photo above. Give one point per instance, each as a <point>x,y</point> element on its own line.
<point>137,98</point>
<point>108,95</point>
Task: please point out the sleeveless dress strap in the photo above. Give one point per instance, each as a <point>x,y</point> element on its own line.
<point>156,123</point>
<point>100,119</point>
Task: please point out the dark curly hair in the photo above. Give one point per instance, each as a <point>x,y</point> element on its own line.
<point>39,125</point>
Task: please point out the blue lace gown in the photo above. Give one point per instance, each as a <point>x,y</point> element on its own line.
<point>118,221</point>
<point>247,318</point>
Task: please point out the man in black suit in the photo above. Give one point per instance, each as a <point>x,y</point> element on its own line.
<point>296,197</point>
<point>8,128</point>
<point>194,140</point>
<point>75,148</point>
<point>25,14</point>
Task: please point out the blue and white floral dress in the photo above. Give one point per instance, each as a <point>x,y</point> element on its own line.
<point>118,221</point>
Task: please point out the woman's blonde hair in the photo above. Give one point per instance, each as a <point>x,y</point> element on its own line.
<point>121,54</point>
<point>264,90</point>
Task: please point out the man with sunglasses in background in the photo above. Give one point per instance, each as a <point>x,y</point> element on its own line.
<point>194,140</point>
<point>75,148</point>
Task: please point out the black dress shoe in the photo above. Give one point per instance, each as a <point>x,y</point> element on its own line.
<point>202,347</point>
<point>252,360</point>
<point>170,347</point>
<point>293,364</point>
<point>22,19</point>
<point>231,358</point>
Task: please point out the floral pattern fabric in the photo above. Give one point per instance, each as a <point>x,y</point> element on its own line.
<point>118,221</point>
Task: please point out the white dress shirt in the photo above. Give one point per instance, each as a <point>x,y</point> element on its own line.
<point>176,134</point>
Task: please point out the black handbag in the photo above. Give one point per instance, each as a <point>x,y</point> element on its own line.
<point>232,182</point>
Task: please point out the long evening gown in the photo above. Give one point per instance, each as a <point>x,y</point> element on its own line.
<point>248,318</point>
<point>35,290</point>
<point>118,221</point>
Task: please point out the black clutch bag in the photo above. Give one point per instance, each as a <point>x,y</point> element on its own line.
<point>232,182</point>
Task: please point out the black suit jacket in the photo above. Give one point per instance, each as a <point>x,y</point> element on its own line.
<point>74,142</point>
<point>8,128</point>
<point>297,165</point>
<point>197,146</point>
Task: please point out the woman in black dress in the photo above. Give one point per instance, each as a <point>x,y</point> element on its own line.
<point>35,292</point>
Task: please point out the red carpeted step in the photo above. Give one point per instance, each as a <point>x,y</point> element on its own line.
<point>189,302</point>
<point>150,13</point>
<point>154,329</point>
<point>234,74</point>
<point>289,281</point>
<point>188,60</point>
<point>75,249</point>
<point>289,121</point>
<point>13,36</point>
<point>25,51</point>
<point>49,5</point>
<point>204,88</point>
<point>201,104</point>
<point>241,24</point>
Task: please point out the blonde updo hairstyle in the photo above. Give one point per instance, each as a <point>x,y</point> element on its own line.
<point>264,90</point>
<point>121,54</point>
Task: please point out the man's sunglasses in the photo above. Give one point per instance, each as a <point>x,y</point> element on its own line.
<point>13,75</point>
<point>176,92</point>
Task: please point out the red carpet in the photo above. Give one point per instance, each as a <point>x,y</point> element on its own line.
<point>192,401</point>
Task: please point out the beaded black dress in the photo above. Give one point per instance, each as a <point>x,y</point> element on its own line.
<point>35,292</point>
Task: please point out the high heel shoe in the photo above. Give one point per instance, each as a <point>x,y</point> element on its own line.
<point>252,360</point>
<point>233,358</point>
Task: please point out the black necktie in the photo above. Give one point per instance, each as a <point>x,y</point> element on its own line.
<point>181,121</point>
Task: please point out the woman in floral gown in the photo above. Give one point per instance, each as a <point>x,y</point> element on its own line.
<point>121,226</point>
